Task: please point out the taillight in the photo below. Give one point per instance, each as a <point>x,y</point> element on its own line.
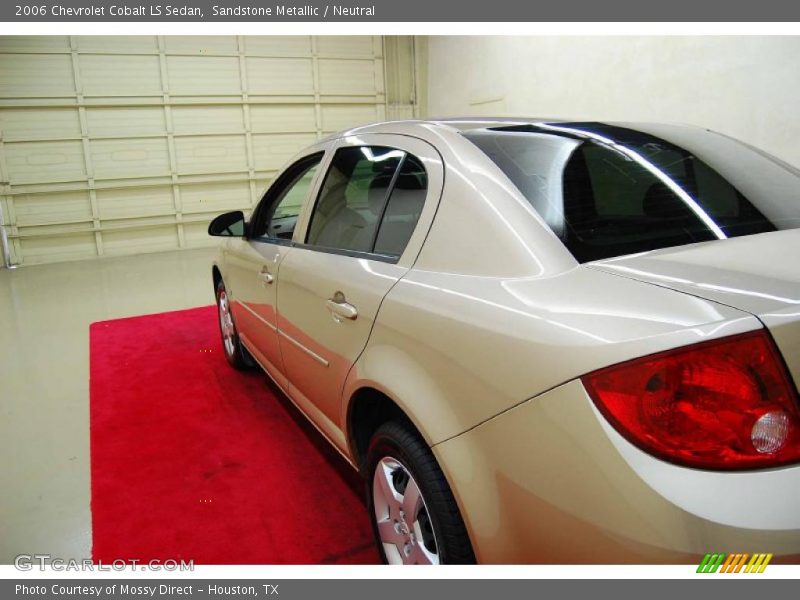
<point>722,404</point>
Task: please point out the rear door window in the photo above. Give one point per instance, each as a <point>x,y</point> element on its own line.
<point>403,208</point>
<point>370,201</point>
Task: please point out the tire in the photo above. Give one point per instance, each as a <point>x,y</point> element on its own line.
<point>236,354</point>
<point>398,462</point>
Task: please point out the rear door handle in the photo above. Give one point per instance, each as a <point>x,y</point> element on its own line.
<point>340,307</point>
<point>266,276</point>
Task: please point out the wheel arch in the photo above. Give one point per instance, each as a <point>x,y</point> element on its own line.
<point>369,407</point>
<point>386,383</point>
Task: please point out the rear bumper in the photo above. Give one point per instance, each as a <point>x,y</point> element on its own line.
<point>549,481</point>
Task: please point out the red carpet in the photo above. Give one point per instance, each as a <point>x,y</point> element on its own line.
<point>193,460</point>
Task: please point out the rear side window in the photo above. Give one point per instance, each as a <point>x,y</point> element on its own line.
<point>370,201</point>
<point>609,191</point>
<point>403,208</point>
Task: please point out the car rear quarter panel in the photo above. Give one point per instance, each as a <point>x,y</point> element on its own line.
<point>454,350</point>
<point>784,325</point>
<point>550,482</point>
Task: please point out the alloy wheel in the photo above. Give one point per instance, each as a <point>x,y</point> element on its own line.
<point>226,324</point>
<point>404,524</point>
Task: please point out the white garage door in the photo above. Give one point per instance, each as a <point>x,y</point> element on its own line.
<point>124,145</point>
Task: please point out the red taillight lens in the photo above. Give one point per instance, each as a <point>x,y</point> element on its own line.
<point>723,404</point>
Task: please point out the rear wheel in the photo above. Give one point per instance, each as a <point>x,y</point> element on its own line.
<point>235,353</point>
<point>414,514</point>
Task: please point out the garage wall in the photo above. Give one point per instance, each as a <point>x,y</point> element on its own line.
<point>747,87</point>
<point>125,145</point>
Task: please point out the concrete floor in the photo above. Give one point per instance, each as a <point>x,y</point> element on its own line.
<point>45,312</point>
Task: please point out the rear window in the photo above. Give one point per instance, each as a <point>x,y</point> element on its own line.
<point>607,190</point>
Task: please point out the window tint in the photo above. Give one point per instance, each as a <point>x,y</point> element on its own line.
<point>352,198</point>
<point>614,205</point>
<point>284,200</point>
<point>403,209</point>
<point>608,191</point>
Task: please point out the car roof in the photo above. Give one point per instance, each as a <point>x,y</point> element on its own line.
<point>457,123</point>
<point>463,124</point>
<point>467,123</point>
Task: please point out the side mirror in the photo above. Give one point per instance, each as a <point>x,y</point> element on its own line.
<point>229,224</point>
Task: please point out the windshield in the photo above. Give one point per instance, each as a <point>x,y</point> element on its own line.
<point>609,190</point>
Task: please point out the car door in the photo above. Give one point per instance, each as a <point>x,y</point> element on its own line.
<point>373,209</point>
<point>252,264</point>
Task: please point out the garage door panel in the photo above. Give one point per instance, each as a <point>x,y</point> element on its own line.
<point>215,197</point>
<point>274,150</point>
<point>126,158</point>
<point>211,154</point>
<point>19,124</point>
<point>16,80</point>
<point>346,45</point>
<point>280,75</point>
<point>278,45</point>
<point>200,44</point>
<point>38,162</point>
<point>125,121</point>
<point>48,247</point>
<point>207,119</point>
<point>152,238</point>
<point>34,43</point>
<point>129,144</point>
<point>119,75</point>
<point>116,44</point>
<point>135,202</point>
<point>196,235</point>
<point>203,74</point>
<point>339,116</point>
<point>282,119</point>
<point>347,77</point>
<point>52,207</point>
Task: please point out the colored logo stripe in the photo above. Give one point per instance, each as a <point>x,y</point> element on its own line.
<point>734,563</point>
<point>710,563</point>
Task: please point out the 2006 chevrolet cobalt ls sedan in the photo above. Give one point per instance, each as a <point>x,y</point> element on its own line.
<point>538,341</point>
